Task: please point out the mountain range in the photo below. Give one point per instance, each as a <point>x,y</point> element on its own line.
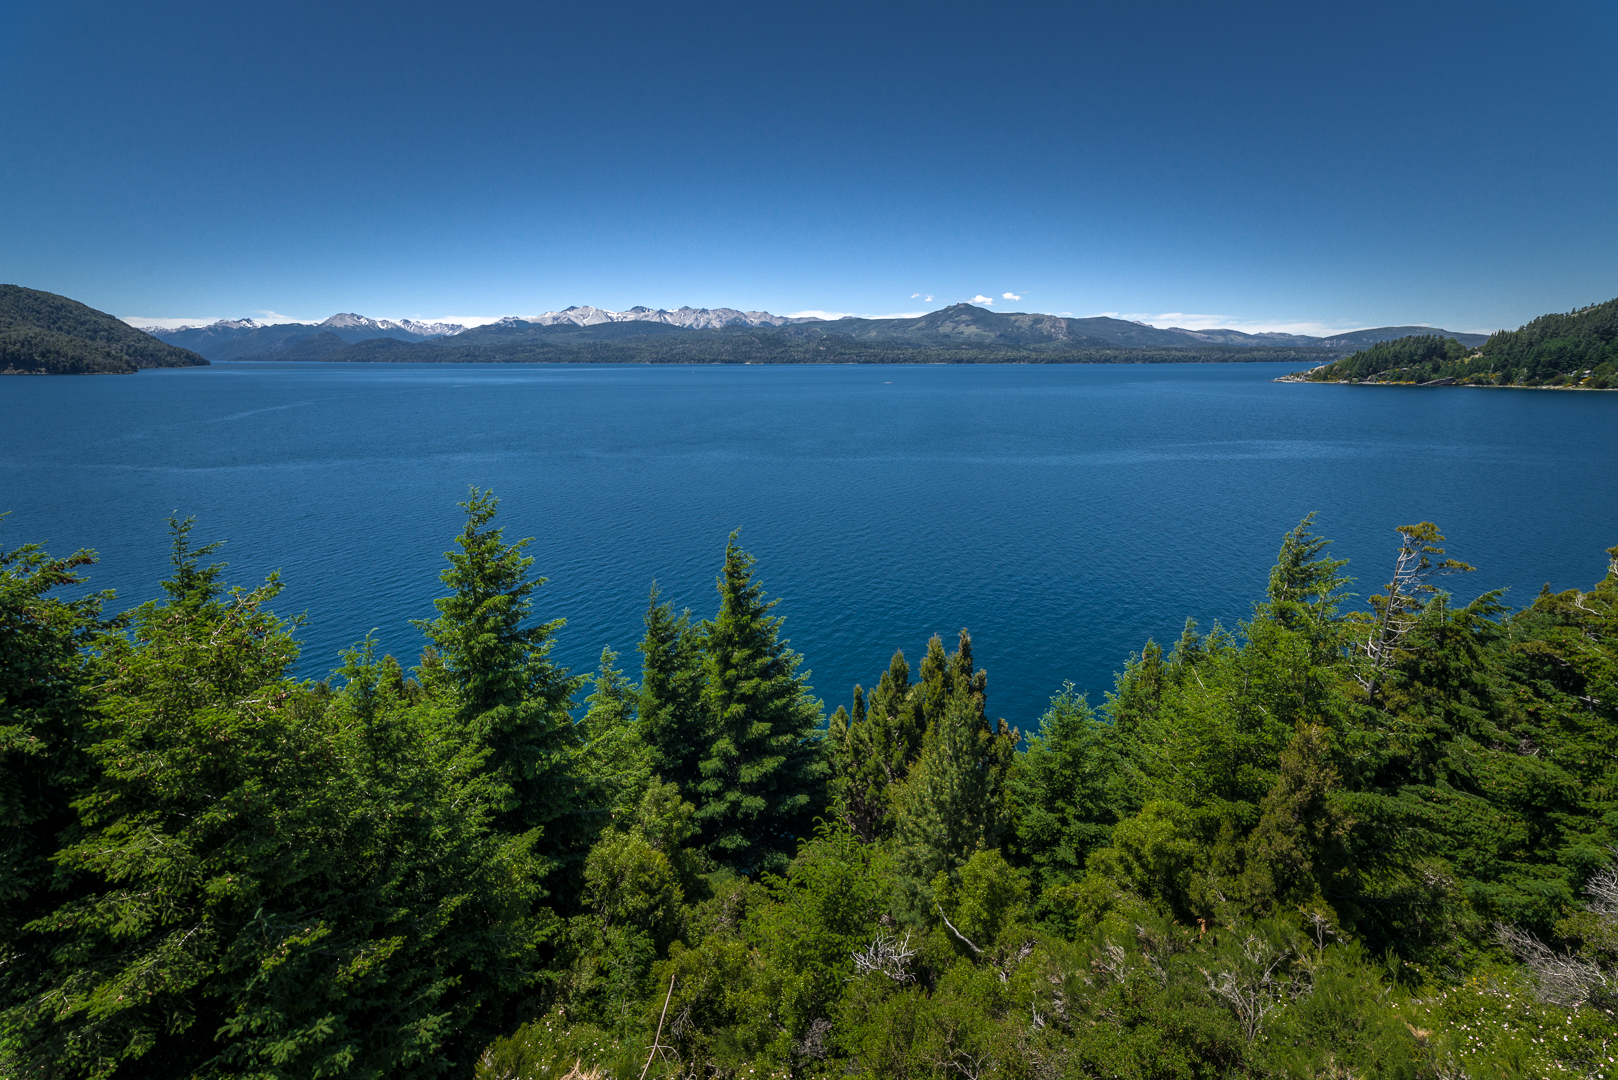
<point>699,334</point>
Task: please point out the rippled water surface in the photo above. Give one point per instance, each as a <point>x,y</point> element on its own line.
<point>1064,514</point>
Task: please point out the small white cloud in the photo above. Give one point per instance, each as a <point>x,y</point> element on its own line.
<point>264,315</point>
<point>164,324</point>
<point>980,299</point>
<point>815,313</point>
<point>1191,321</point>
<point>461,320</point>
<point>1010,296</point>
<point>918,296</point>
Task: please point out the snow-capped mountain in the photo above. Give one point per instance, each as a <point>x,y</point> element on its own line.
<point>430,329</point>
<point>231,339</point>
<point>349,321</point>
<point>689,317</point>
<point>221,326</point>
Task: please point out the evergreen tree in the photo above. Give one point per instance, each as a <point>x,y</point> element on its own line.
<point>1296,852</point>
<point>874,749</point>
<point>278,882</point>
<point>615,765</point>
<point>672,719</point>
<point>763,775</point>
<point>1068,788</point>
<point>954,800</point>
<point>497,675</point>
<point>46,704</point>
<point>1305,586</point>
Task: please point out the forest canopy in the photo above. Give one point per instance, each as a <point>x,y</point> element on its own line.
<point>1336,839</point>
<point>45,334</point>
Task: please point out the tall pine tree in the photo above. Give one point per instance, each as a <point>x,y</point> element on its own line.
<point>495,672</point>
<point>763,776</point>
<point>873,749</point>
<point>672,720</point>
<point>46,704</point>
<point>954,800</point>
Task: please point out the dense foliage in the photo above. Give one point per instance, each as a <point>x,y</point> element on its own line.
<point>1578,349</point>
<point>1329,842</point>
<point>42,333</point>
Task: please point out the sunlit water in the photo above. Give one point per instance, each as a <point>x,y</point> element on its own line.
<point>1063,513</point>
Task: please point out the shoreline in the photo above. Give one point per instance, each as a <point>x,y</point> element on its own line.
<point>1439,384</point>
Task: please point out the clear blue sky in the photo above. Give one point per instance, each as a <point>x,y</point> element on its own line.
<point>1307,165</point>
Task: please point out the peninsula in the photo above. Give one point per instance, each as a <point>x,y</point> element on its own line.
<point>1573,351</point>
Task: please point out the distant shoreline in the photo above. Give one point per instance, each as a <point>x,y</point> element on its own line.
<point>1443,384</point>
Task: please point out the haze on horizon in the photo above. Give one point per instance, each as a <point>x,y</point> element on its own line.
<point>1269,168</point>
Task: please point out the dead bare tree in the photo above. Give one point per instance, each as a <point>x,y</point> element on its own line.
<point>1257,985</point>
<point>888,954</point>
<point>1563,978</point>
<point>1400,610</point>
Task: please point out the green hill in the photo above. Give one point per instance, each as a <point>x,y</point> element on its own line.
<point>1360,339</point>
<point>1578,350</point>
<point>45,334</point>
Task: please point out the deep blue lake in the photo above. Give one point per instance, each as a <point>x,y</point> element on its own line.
<point>1063,513</point>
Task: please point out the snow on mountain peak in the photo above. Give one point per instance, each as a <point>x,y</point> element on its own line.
<point>347,320</point>
<point>689,317</point>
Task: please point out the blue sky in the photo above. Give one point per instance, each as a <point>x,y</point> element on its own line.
<point>1298,166</point>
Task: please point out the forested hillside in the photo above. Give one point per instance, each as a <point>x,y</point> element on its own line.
<point>958,334</point>
<point>1578,350</point>
<point>632,343</point>
<point>45,334</point>
<point>1335,840</point>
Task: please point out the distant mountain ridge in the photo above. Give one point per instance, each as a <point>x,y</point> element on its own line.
<point>42,333</point>
<point>951,329</point>
<point>689,318</point>
<point>236,339</point>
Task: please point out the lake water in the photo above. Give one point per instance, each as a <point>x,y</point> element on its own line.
<point>1063,513</point>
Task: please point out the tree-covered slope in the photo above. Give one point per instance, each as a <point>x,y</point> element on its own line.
<point>1578,350</point>
<point>42,333</point>
<point>958,334</point>
<point>1361,339</point>
<point>632,343</point>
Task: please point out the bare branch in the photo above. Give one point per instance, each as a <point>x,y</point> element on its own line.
<point>887,954</point>
<point>657,1046</point>
<point>956,932</point>
<point>1562,979</point>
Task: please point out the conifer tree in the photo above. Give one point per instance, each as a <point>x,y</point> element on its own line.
<point>953,802</point>
<point>277,881</point>
<point>496,674</point>
<point>1297,848</point>
<point>672,720</point>
<point>874,749</point>
<point>1069,789</point>
<point>763,775</point>
<point>614,761</point>
<point>46,705</point>
<point>1305,586</point>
